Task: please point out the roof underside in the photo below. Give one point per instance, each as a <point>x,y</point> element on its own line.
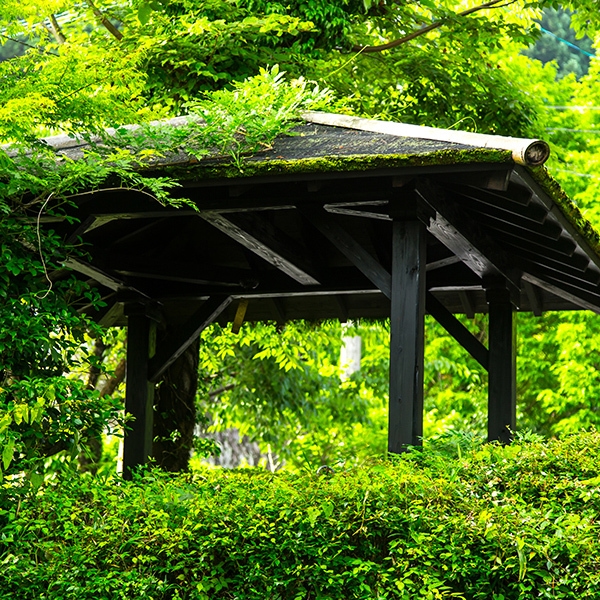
<point>304,231</point>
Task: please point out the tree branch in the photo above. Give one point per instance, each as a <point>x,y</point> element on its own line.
<point>220,390</point>
<point>104,20</point>
<point>110,385</point>
<point>56,31</point>
<point>17,41</point>
<point>426,29</point>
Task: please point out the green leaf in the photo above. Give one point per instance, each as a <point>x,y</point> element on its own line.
<point>143,14</point>
<point>8,452</point>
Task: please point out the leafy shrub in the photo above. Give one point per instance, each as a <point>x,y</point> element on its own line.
<point>456,520</point>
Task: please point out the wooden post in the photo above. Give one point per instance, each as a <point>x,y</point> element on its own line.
<point>139,391</point>
<point>407,334</point>
<point>502,371</point>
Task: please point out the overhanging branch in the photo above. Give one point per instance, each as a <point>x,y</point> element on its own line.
<point>104,20</point>
<point>426,29</point>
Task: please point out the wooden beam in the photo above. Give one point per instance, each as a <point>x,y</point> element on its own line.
<point>348,246</point>
<point>562,249</point>
<point>177,341</point>
<point>584,280</point>
<point>467,303</point>
<point>512,222</point>
<point>461,235</point>
<point>523,177</point>
<point>139,391</point>
<point>405,421</point>
<point>342,308</point>
<point>366,213</point>
<point>577,297</point>
<point>457,330</point>
<point>106,279</point>
<point>502,372</point>
<point>515,195</point>
<point>262,238</point>
<point>492,180</point>
<point>534,297</point>
<point>442,262</point>
<point>195,273</point>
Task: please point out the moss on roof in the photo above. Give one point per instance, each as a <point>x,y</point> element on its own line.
<point>571,211</point>
<point>260,165</point>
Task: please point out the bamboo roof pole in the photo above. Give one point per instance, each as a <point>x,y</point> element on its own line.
<point>528,152</point>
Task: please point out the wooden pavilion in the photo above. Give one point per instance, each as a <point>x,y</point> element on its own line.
<point>349,218</point>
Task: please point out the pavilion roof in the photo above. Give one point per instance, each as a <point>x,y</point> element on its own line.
<point>303,229</point>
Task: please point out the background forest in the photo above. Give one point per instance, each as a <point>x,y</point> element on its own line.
<point>274,394</point>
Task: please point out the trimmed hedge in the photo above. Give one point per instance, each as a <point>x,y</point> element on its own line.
<point>484,522</point>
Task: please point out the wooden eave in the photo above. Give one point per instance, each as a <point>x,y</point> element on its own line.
<point>304,231</point>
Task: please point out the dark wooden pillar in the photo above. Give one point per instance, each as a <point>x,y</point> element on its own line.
<point>502,370</point>
<point>407,334</point>
<point>139,391</point>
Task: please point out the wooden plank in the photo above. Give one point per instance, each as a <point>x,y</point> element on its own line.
<point>511,222</point>
<point>515,196</point>
<point>107,280</point>
<point>457,330</point>
<point>139,392</point>
<point>532,213</point>
<point>196,273</point>
<point>178,341</point>
<point>365,213</point>
<point>348,246</point>
<point>561,249</point>
<point>492,180</point>
<point>502,372</point>
<point>258,236</point>
<point>442,262</point>
<point>586,280</point>
<point>397,172</point>
<point>405,421</point>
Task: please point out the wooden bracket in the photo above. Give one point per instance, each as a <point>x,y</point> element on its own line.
<point>464,238</point>
<point>457,330</point>
<point>365,262</point>
<point>177,342</point>
<point>263,239</point>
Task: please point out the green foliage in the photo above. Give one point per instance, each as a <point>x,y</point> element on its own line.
<point>465,71</point>
<point>250,117</point>
<point>551,48</point>
<point>456,520</point>
<point>44,406</point>
<point>281,387</point>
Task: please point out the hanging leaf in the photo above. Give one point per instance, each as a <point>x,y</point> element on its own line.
<point>8,453</point>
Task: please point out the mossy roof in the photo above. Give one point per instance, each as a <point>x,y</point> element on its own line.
<point>336,150</point>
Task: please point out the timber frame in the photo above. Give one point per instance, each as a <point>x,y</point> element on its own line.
<point>346,222</point>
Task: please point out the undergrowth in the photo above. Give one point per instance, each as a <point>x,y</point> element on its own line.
<point>455,520</point>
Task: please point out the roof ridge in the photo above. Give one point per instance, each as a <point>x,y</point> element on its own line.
<point>528,152</point>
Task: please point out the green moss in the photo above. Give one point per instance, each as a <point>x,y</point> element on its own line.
<point>567,207</point>
<point>334,164</point>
